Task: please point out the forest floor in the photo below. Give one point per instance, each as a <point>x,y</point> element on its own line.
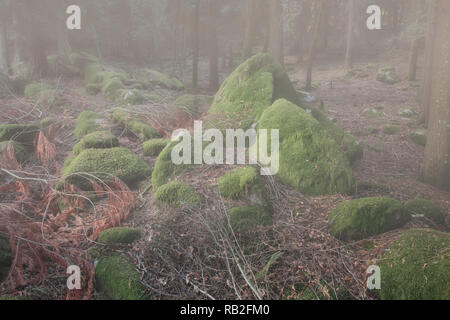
<point>312,257</point>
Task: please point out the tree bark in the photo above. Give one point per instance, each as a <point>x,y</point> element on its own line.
<point>436,162</point>
<point>250,29</point>
<point>214,49</point>
<point>415,48</point>
<point>276,46</point>
<point>350,26</point>
<point>317,21</point>
<point>195,44</point>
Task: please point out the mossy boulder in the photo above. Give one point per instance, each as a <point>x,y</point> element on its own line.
<point>24,133</point>
<point>310,160</point>
<point>164,166</point>
<point>119,235</point>
<point>88,122</point>
<point>105,164</point>
<point>390,129</point>
<point>176,194</point>
<point>416,267</point>
<point>118,279</point>
<point>20,152</point>
<point>244,183</point>
<point>92,73</point>
<point>366,217</point>
<point>371,113</point>
<point>419,137</point>
<point>96,140</point>
<point>194,104</point>
<point>153,147</point>
<point>427,208</point>
<point>134,125</point>
<point>388,75</point>
<point>249,217</point>
<point>5,257</point>
<point>130,97</point>
<point>112,88</point>
<point>162,80</point>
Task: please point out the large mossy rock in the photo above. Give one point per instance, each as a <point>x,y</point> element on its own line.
<point>5,257</point>
<point>310,159</point>
<point>118,279</point>
<point>416,267</point>
<point>427,208</point>
<point>96,140</point>
<point>119,235</point>
<point>20,152</point>
<point>134,125</point>
<point>24,133</point>
<point>176,194</point>
<point>362,218</point>
<point>249,217</point>
<point>105,164</point>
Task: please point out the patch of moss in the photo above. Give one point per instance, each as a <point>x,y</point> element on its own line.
<point>416,267</point>
<point>5,257</point>
<point>419,137</point>
<point>92,73</point>
<point>106,164</point>
<point>20,152</point>
<point>118,279</point>
<point>24,133</point>
<point>119,235</point>
<point>130,97</point>
<point>309,159</point>
<point>388,75</point>
<point>112,88</point>
<point>175,194</point>
<point>162,80</point>
<point>249,217</point>
<point>362,218</point>
<point>87,122</point>
<point>153,147</point>
<point>96,140</point>
<point>193,103</point>
<point>371,113</point>
<point>35,89</point>
<point>136,126</point>
<point>406,112</point>
<point>373,130</point>
<point>390,129</point>
<point>427,208</point>
<point>47,122</point>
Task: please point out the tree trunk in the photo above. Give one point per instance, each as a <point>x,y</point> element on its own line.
<point>436,162</point>
<point>350,26</point>
<point>317,21</point>
<point>412,75</point>
<point>276,31</point>
<point>195,44</point>
<point>213,50</point>
<point>4,50</point>
<point>250,29</point>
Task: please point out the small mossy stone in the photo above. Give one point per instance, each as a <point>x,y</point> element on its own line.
<point>35,89</point>
<point>310,160</point>
<point>130,97</point>
<point>118,279</point>
<point>390,129</point>
<point>47,122</point>
<point>176,194</point>
<point>96,140</point>
<point>419,137</point>
<point>106,164</point>
<point>24,133</point>
<point>406,112</point>
<point>20,152</point>
<point>112,88</point>
<point>93,89</point>
<point>162,80</point>
<point>5,257</point>
<point>371,113</point>
<point>362,218</point>
<point>249,217</point>
<point>88,122</point>
<point>153,147</point>
<point>388,75</point>
<point>427,208</point>
<point>119,235</point>
<point>92,73</point>
<point>416,267</point>
<point>134,125</point>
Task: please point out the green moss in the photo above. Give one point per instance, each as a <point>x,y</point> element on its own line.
<point>106,164</point>
<point>373,130</point>
<point>419,137</point>
<point>35,89</point>
<point>92,73</point>
<point>390,129</point>
<point>153,147</point>
<point>371,113</point>
<point>249,217</point>
<point>5,257</point>
<point>427,208</point>
<point>388,75</point>
<point>416,267</point>
<point>24,133</point>
<point>362,218</point>
<point>20,151</point>
<point>175,194</point>
<point>406,112</point>
<point>118,279</point>
<point>47,122</point>
<point>87,123</point>
<point>193,103</point>
<point>310,160</point>
<point>111,88</point>
<point>130,97</point>
<point>123,235</point>
<point>139,128</point>
<point>162,80</point>
<point>164,167</point>
<point>96,140</point>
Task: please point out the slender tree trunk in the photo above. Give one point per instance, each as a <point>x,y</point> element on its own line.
<point>195,44</point>
<point>276,31</point>
<point>317,21</point>
<point>350,26</point>
<point>250,29</point>
<point>415,48</point>
<point>436,167</point>
<point>213,50</point>
<point>4,49</point>
<point>303,23</point>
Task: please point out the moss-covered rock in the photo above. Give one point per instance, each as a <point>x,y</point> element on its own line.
<point>388,75</point>
<point>88,122</point>
<point>5,257</point>
<point>20,152</point>
<point>24,133</point>
<point>416,267</point>
<point>175,194</point>
<point>153,147</point>
<point>419,137</point>
<point>249,217</point>
<point>96,140</point>
<point>371,113</point>
<point>244,183</point>
<point>119,235</point>
<point>130,97</point>
<point>406,112</point>
<point>92,73</point>
<point>427,208</point>
<point>309,159</point>
<point>390,129</point>
<point>362,218</point>
<point>112,88</point>
<point>162,80</point>
<point>194,104</point>
<point>35,89</point>
<point>106,164</point>
<point>118,279</point>
<point>81,59</point>
<point>134,125</point>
